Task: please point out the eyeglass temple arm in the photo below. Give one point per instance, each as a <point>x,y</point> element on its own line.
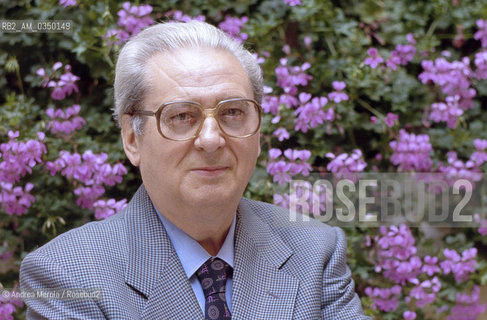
<point>142,113</point>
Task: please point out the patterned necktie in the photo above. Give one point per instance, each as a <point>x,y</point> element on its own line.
<point>213,277</point>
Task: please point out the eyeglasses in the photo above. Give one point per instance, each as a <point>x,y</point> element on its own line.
<point>183,120</point>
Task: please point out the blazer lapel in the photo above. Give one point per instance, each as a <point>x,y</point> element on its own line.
<point>172,296</point>
<point>153,268</point>
<point>260,288</point>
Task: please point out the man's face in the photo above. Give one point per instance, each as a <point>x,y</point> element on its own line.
<point>211,169</point>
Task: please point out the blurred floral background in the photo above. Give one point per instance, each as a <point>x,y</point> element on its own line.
<point>351,86</point>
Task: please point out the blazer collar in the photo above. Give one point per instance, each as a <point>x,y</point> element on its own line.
<point>259,257</point>
<point>153,268</point>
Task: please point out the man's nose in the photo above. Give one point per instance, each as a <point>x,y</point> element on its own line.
<point>210,138</point>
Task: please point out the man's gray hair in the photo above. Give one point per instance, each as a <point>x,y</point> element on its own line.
<point>130,74</point>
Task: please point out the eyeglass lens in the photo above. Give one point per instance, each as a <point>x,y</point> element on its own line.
<point>182,119</point>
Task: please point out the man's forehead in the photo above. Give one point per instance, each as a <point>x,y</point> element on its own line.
<point>201,75</point>
<point>193,59</point>
<point>195,68</point>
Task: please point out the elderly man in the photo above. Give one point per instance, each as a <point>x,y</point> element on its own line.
<point>188,246</point>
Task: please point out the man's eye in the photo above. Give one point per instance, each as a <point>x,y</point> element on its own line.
<point>233,112</point>
<point>182,117</point>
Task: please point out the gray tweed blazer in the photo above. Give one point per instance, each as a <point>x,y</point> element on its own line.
<point>283,269</point>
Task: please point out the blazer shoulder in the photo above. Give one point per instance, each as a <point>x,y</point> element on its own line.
<point>294,227</point>
<point>86,242</point>
<point>282,217</point>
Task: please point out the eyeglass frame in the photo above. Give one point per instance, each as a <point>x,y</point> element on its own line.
<point>207,112</point>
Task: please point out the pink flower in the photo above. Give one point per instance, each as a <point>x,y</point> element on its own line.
<point>67,3</point>
<point>280,171</point>
<point>16,200</point>
<point>42,73</point>
<point>481,34</point>
<point>425,292</point>
<point>396,253</point>
<point>337,96</point>
<point>132,19</point>
<point>281,134</point>
<point>107,208</point>
<point>459,266</point>
<point>18,159</point>
<point>259,59</point>
<point>233,26</point>
<point>89,172</point>
<point>430,266</point>
<point>62,87</point>
<point>447,112</point>
<point>481,64</point>
<point>292,3</point>
<point>283,170</point>
<point>288,100</point>
<point>8,306</point>
<point>374,59</point>
<point>346,166</point>
<point>456,169</point>
<point>181,17</point>
<point>467,306</point>
<point>391,119</point>
<point>65,122</point>
<point>289,77</point>
<point>483,224</point>
<point>453,78</point>
<point>68,82</point>
<point>393,60</point>
<point>87,196</point>
<point>411,152</point>
<point>384,299</point>
<point>307,42</point>
<point>270,104</point>
<point>310,114</point>
<point>56,66</point>
<point>58,92</point>
<point>405,53</point>
<point>298,160</point>
<point>274,154</point>
<point>409,315</point>
<point>281,200</point>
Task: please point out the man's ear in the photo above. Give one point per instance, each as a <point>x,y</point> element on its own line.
<point>130,141</point>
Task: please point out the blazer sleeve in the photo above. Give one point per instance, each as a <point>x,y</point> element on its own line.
<point>339,300</point>
<point>39,272</point>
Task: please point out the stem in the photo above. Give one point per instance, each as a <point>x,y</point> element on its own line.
<point>370,109</point>
<point>266,140</point>
<point>352,137</point>
<point>331,46</point>
<point>17,72</point>
<point>431,29</point>
<point>462,123</point>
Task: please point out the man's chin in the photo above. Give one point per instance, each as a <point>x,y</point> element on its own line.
<point>213,196</point>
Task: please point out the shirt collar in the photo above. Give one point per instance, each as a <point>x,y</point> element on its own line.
<point>191,254</point>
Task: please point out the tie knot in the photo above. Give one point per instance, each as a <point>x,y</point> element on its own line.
<point>213,276</point>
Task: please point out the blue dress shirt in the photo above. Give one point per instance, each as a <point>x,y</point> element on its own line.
<point>193,255</point>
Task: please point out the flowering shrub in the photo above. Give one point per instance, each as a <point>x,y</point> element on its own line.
<point>62,87</point>
<point>67,125</point>
<point>350,87</point>
<point>416,279</point>
<point>411,152</point>
<point>131,20</point>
